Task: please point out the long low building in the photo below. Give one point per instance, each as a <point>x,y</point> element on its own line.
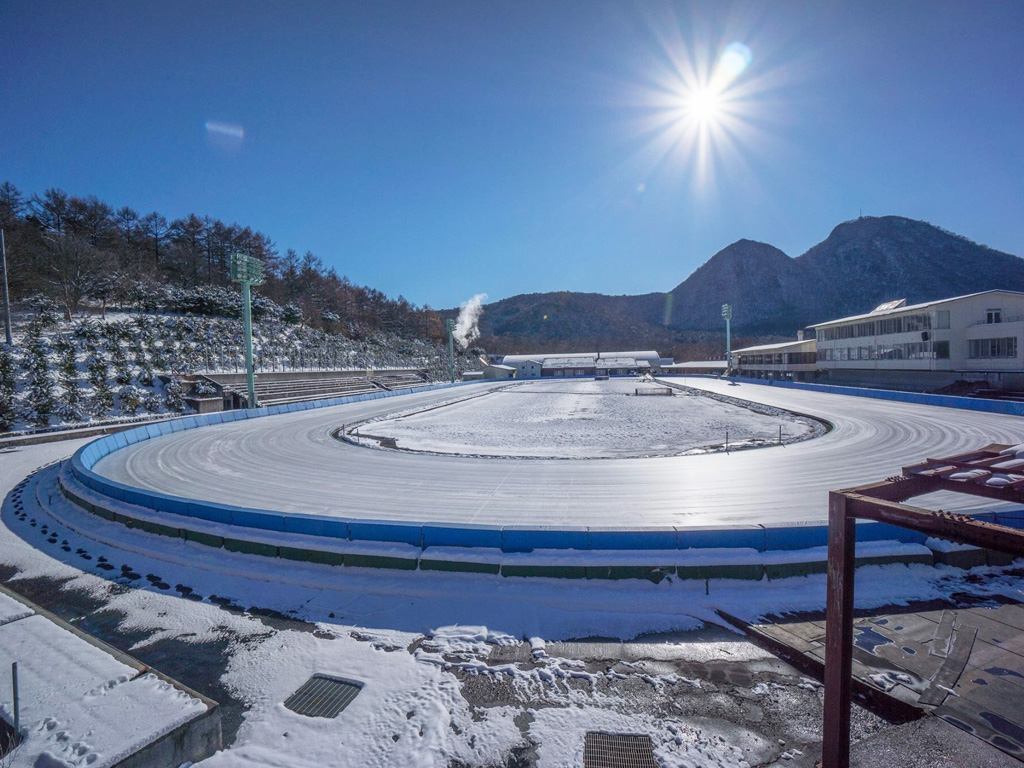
<point>977,338</point>
<point>789,360</point>
<point>564,365</point>
<point>694,367</point>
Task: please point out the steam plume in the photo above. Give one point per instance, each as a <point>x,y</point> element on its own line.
<point>466,328</point>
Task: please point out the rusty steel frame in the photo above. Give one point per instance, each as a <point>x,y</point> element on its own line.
<point>882,502</point>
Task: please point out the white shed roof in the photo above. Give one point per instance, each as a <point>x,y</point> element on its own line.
<point>649,354</point>
<point>780,347</point>
<point>911,308</point>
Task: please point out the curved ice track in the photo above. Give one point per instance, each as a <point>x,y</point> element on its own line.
<point>290,463</point>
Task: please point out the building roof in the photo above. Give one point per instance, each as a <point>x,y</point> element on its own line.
<point>911,308</point>
<point>570,362</point>
<point>691,364</point>
<point>649,354</point>
<point>502,367</point>
<point>775,347</point>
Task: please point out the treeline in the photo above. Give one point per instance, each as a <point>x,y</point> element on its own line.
<point>80,249</point>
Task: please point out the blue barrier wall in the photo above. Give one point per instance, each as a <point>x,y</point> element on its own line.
<point>510,538</point>
<point>918,398</point>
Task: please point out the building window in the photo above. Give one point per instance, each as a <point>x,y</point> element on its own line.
<point>993,316</point>
<point>942,350</point>
<point>982,349</point>
<point>942,319</point>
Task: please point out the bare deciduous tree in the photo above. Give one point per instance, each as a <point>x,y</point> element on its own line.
<point>74,268</point>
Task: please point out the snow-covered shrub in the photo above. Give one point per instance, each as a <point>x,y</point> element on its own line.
<point>102,394</point>
<point>7,385</point>
<point>39,396</point>
<point>130,399</point>
<point>150,402</point>
<point>292,315</point>
<point>204,388</point>
<point>70,405</point>
<point>89,332</point>
<point>45,310</point>
<point>174,395</point>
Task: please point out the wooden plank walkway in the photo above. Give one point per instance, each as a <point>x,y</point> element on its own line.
<point>963,663</point>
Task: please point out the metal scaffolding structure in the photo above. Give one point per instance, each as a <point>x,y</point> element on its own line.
<point>980,473</point>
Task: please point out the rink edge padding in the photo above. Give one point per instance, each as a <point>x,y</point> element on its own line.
<point>586,551</point>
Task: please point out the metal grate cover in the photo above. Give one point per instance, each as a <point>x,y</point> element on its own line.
<point>611,750</point>
<point>323,696</point>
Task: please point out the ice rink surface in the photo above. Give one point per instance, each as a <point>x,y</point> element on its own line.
<point>570,418</point>
<point>291,463</point>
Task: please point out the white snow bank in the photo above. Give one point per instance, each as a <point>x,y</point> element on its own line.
<point>12,610</point>
<point>466,640</point>
<point>81,706</point>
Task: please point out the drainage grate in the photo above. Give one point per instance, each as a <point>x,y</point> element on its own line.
<point>610,750</point>
<point>323,696</point>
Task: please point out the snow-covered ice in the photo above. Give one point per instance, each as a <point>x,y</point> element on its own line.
<point>588,419</point>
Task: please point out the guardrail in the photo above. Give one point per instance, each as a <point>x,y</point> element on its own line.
<point>918,398</point>
<point>508,538</point>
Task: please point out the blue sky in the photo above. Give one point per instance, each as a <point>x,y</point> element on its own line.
<point>438,150</point>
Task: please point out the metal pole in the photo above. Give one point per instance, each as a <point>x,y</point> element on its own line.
<point>451,349</point>
<point>728,342</point>
<point>250,374</point>
<point>7,298</point>
<point>17,707</point>
<point>835,747</point>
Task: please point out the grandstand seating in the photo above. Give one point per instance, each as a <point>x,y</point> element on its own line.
<point>399,381</point>
<point>297,390</point>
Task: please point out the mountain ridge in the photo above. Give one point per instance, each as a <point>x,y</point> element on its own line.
<point>862,263</point>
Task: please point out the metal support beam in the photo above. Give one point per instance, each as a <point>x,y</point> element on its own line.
<point>942,525</point>
<point>881,502</point>
<point>835,750</point>
<point>250,372</point>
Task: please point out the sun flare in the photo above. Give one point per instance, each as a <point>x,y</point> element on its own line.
<point>704,106</point>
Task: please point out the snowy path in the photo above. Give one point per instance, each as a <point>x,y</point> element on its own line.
<point>291,463</point>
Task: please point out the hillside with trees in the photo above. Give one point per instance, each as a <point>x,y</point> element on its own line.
<point>115,311</point>
<point>74,249</point>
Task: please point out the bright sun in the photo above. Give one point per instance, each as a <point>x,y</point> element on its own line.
<point>704,106</point>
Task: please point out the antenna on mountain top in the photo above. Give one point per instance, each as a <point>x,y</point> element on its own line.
<point>861,216</point>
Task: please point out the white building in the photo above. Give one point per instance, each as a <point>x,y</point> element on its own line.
<point>789,360</point>
<point>977,337</point>
<point>563,365</point>
<point>694,367</point>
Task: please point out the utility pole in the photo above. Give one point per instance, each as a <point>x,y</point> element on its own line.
<point>248,271</point>
<point>451,348</point>
<point>727,314</point>
<point>7,297</point>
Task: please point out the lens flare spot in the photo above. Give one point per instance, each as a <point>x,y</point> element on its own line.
<point>641,188</point>
<point>734,59</point>
<point>225,130</point>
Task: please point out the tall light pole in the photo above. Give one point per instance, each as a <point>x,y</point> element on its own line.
<point>727,314</point>
<point>249,272</point>
<point>7,298</point>
<point>451,348</point>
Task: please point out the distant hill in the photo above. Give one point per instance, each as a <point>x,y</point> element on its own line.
<point>861,264</point>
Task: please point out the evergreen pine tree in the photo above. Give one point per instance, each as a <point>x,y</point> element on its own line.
<point>70,407</point>
<point>39,398</point>
<point>102,394</point>
<point>7,386</point>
